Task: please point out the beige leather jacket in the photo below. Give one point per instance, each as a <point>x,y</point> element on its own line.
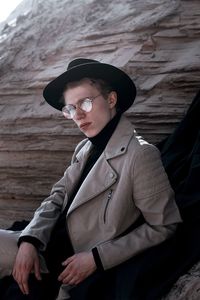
<point>127,180</point>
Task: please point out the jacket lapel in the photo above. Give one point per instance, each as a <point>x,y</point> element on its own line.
<point>99,179</point>
<point>74,171</point>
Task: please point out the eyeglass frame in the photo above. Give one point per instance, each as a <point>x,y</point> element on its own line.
<point>68,115</point>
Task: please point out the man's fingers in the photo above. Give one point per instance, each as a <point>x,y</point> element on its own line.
<point>37,271</point>
<point>23,283</point>
<point>65,273</point>
<point>68,260</point>
<point>26,261</point>
<point>67,279</point>
<point>21,288</point>
<point>24,288</point>
<point>21,277</point>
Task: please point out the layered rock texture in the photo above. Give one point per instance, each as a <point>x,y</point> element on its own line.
<point>156,42</point>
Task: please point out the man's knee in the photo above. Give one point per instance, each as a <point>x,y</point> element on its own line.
<point>8,251</point>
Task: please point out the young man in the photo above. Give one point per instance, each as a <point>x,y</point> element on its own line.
<point>113,202</point>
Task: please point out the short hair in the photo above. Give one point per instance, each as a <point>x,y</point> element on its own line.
<point>104,87</point>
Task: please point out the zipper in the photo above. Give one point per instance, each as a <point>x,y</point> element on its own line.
<point>108,200</point>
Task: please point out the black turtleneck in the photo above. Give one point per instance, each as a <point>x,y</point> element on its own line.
<point>101,139</point>
<point>57,241</point>
<point>99,143</point>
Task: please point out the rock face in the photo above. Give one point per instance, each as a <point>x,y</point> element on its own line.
<point>156,42</point>
<point>187,287</point>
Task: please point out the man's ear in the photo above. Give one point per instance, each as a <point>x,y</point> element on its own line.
<point>112,99</point>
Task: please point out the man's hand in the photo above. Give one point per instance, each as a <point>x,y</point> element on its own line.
<point>26,261</point>
<point>77,268</point>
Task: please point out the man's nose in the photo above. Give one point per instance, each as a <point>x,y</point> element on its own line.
<point>79,113</point>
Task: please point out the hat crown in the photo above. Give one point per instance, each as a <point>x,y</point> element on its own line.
<point>80,61</point>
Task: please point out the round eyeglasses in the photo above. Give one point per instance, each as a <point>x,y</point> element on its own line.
<point>85,105</point>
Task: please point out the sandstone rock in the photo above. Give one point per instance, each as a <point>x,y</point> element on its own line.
<point>187,287</point>
<point>156,42</point>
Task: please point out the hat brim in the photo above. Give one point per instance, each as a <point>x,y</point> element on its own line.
<point>119,80</point>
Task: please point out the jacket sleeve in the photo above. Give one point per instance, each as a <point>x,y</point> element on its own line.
<point>46,215</point>
<point>154,197</point>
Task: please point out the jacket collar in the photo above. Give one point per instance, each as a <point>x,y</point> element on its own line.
<point>120,139</point>
<point>118,143</point>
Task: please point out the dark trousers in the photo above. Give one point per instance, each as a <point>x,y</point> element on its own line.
<point>47,288</point>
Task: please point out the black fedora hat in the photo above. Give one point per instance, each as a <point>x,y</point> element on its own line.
<point>81,68</point>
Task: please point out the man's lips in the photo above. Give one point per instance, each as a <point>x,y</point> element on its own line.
<point>84,125</point>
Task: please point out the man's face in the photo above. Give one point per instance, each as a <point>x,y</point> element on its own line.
<point>103,110</point>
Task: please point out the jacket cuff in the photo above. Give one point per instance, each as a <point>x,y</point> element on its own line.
<point>97,259</point>
<point>29,239</point>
